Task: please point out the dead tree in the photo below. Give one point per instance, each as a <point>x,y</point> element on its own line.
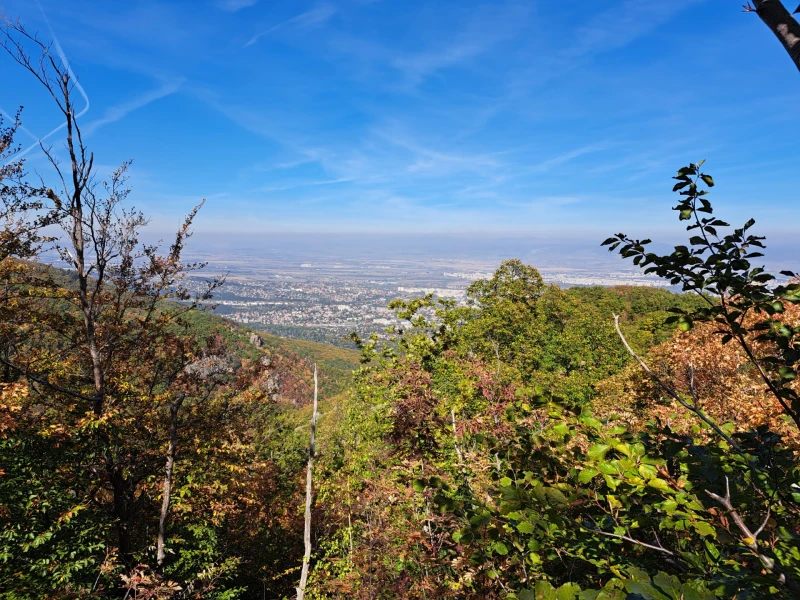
<point>301,589</point>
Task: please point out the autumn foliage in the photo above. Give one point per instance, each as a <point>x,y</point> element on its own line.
<point>729,388</point>
<point>530,443</point>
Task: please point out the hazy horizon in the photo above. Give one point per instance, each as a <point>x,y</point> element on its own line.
<point>541,252</point>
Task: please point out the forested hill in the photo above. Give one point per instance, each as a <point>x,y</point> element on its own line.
<point>295,357</point>
<point>290,361</point>
<point>241,409</point>
<point>532,442</point>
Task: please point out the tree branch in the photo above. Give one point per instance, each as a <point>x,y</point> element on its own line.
<point>672,393</point>
<point>168,475</point>
<point>43,381</point>
<point>659,548</point>
<point>750,538</point>
<point>785,27</point>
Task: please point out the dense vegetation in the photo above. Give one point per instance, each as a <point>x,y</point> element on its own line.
<point>509,449</point>
<point>532,443</point>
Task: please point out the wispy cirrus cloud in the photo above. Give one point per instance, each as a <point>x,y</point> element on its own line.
<point>561,159</point>
<point>426,159</point>
<point>618,26</point>
<point>417,67</point>
<point>461,37</point>
<point>235,5</point>
<point>311,18</point>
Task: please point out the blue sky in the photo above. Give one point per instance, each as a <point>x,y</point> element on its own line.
<point>390,116</point>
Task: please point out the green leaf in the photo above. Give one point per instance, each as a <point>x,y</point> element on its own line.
<point>668,506</point>
<point>704,529</point>
<point>598,451</point>
<point>568,591</point>
<point>592,422</point>
<point>708,180</point>
<point>660,484</point>
<point>586,475</point>
<point>544,591</point>
<point>525,527</point>
<point>561,428</point>
<point>680,185</point>
<point>711,549</point>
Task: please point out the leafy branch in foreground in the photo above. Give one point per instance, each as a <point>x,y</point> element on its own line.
<point>718,268</point>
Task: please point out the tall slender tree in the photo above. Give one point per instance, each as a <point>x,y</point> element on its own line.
<point>301,589</point>
<point>126,347</point>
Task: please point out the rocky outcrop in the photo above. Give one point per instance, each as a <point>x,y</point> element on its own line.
<point>209,366</point>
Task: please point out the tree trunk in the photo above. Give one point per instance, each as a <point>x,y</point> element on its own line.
<point>81,170</point>
<point>301,589</point>
<point>120,508</point>
<point>171,451</point>
<point>783,25</point>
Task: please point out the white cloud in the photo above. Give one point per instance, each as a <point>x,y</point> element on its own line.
<point>301,184</point>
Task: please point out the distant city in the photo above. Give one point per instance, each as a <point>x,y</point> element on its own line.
<point>325,287</point>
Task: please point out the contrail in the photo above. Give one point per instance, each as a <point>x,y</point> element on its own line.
<point>10,118</point>
<point>78,86</point>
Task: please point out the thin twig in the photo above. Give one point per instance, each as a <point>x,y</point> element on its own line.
<point>635,541</point>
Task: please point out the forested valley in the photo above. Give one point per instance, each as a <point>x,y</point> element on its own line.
<point>532,443</point>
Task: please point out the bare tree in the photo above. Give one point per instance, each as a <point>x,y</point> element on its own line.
<point>301,589</point>
<point>195,384</point>
<point>121,288</point>
<point>780,22</point>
